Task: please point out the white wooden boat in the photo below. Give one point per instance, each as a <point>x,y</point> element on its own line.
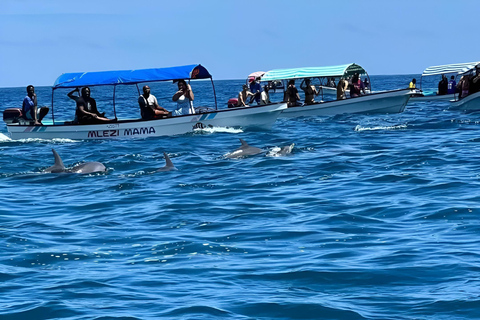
<point>382,102</point>
<point>455,69</point>
<point>393,101</point>
<point>258,117</point>
<point>469,103</point>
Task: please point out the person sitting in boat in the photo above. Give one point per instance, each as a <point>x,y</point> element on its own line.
<point>443,86</point>
<point>30,112</point>
<point>356,87</point>
<point>87,112</point>
<point>310,91</point>
<point>366,83</point>
<point>331,83</point>
<point>451,85</point>
<point>243,95</point>
<point>149,107</point>
<point>292,98</point>
<point>412,84</point>
<point>342,89</point>
<point>184,99</point>
<point>257,90</point>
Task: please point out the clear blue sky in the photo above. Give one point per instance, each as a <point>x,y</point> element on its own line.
<point>41,39</point>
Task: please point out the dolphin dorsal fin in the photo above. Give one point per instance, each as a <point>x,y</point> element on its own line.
<point>243,142</point>
<point>168,162</point>
<point>58,160</point>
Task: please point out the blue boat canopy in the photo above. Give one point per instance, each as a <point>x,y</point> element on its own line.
<point>102,78</point>
<point>449,68</point>
<point>314,72</point>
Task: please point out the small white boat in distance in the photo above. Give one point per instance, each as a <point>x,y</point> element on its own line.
<point>454,69</point>
<point>393,101</point>
<point>258,117</point>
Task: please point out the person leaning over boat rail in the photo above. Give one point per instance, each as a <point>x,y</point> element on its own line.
<point>243,96</point>
<point>87,112</point>
<point>30,112</point>
<point>184,98</point>
<point>149,107</point>
<point>310,91</point>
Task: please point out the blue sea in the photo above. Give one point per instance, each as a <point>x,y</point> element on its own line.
<point>369,217</point>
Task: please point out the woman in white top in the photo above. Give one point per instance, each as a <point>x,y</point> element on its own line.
<point>184,98</point>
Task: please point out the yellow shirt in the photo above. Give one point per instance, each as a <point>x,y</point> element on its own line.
<point>411,86</point>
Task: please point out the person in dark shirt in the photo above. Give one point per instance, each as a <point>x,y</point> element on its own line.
<point>292,98</point>
<point>443,85</point>
<point>87,112</point>
<point>149,107</point>
<point>357,86</point>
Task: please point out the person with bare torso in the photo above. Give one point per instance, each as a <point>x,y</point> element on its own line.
<point>243,95</point>
<point>310,91</point>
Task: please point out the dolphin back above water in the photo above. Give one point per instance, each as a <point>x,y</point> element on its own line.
<point>243,151</point>
<point>168,164</point>
<point>87,167</point>
<point>281,151</point>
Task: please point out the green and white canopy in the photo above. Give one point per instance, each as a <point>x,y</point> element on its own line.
<point>314,72</point>
<point>449,68</point>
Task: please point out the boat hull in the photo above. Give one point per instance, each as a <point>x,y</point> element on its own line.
<point>255,117</point>
<point>469,103</point>
<point>382,102</point>
<point>432,97</point>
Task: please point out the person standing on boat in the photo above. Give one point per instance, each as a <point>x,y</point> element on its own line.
<point>257,90</point>
<point>310,91</point>
<point>475,85</point>
<point>184,99</point>
<point>357,86</point>
<point>463,86</point>
<point>451,85</point>
<point>341,89</point>
<point>30,112</point>
<point>292,97</point>
<point>87,112</point>
<point>443,85</point>
<point>149,107</point>
<point>412,84</point>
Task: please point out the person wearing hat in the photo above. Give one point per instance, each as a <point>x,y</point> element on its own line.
<point>256,89</point>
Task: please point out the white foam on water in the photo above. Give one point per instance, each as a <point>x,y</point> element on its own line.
<point>396,127</point>
<point>4,137</point>
<point>219,129</point>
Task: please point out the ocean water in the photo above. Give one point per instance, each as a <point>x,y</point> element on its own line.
<point>370,217</point>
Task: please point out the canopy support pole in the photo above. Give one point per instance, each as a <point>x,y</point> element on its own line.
<point>53,117</point>
<point>214,94</point>
<point>114,110</point>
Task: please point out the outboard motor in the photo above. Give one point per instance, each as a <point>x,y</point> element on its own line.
<point>12,115</point>
<point>232,103</point>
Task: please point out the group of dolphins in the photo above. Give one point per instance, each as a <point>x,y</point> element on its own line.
<point>244,150</point>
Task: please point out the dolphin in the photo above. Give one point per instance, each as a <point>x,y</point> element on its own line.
<point>243,151</point>
<point>168,164</point>
<point>282,151</point>
<point>87,167</point>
